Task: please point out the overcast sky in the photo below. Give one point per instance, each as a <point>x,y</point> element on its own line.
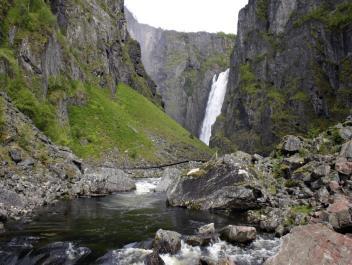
<point>188,15</point>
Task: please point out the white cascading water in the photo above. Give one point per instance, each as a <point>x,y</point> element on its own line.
<point>214,105</point>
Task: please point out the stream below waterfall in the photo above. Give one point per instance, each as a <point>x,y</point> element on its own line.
<point>90,228</point>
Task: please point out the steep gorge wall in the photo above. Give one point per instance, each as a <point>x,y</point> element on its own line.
<point>291,72</point>
<point>65,63</point>
<point>182,65</point>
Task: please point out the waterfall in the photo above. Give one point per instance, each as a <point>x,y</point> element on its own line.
<point>214,105</point>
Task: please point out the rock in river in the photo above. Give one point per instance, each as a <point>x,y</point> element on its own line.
<point>227,183</point>
<point>238,234</point>
<point>167,242</point>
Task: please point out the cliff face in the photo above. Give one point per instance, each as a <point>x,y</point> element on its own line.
<point>62,61</point>
<point>182,65</point>
<point>291,72</point>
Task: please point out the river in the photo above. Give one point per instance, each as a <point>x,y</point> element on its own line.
<point>100,225</point>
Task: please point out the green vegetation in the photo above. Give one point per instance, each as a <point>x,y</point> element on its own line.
<point>2,114</point>
<point>262,9</point>
<point>130,123</point>
<point>302,209</point>
<point>276,96</point>
<point>248,80</point>
<point>32,18</point>
<point>334,19</point>
<point>300,96</point>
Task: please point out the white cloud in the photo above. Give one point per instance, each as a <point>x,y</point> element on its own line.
<point>188,15</point>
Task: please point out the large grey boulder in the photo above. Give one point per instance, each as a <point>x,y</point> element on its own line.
<point>346,150</point>
<point>291,144</point>
<point>228,183</point>
<point>238,234</point>
<point>167,242</point>
<point>102,181</point>
<point>153,259</point>
<point>313,244</point>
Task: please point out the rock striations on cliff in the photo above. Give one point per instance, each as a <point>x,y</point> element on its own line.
<point>290,72</point>
<point>182,65</point>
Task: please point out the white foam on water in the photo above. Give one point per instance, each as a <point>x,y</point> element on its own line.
<point>148,185</point>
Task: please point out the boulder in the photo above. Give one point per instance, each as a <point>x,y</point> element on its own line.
<point>169,174</point>
<point>153,259</point>
<point>313,244</point>
<point>228,183</point>
<point>346,150</point>
<point>322,171</point>
<point>198,240</point>
<point>346,133</point>
<point>207,229</point>
<point>334,186</point>
<point>238,234</point>
<point>27,162</point>
<point>343,166</point>
<point>167,242</point>
<point>292,144</point>
<point>340,213</point>
<point>15,155</point>
<point>102,181</point>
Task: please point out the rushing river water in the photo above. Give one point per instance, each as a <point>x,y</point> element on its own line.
<point>100,225</point>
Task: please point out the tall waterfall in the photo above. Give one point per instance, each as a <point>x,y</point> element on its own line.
<point>214,105</point>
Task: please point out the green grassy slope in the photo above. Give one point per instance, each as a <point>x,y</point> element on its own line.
<point>131,127</point>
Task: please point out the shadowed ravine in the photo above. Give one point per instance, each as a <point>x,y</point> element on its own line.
<point>108,223</point>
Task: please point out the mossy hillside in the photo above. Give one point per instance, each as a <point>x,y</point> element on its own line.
<point>130,123</point>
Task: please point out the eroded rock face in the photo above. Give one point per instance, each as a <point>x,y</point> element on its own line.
<point>280,80</point>
<point>313,244</point>
<point>229,183</point>
<point>182,65</point>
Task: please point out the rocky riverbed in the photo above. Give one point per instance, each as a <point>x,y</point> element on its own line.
<point>83,231</point>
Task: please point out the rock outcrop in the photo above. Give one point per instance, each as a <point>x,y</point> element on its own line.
<point>313,244</point>
<point>228,183</point>
<point>290,72</point>
<point>34,171</point>
<point>300,182</point>
<point>182,65</point>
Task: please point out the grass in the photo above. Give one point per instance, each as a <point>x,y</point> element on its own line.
<point>301,209</point>
<point>248,80</point>
<point>129,123</point>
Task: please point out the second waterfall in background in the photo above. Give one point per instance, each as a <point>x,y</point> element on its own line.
<point>214,105</point>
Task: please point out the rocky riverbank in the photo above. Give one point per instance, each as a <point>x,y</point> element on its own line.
<point>34,171</point>
<point>302,181</point>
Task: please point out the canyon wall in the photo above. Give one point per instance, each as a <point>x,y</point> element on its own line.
<point>182,65</point>
<point>291,72</point>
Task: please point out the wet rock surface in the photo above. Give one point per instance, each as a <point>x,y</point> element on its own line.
<point>238,234</point>
<point>167,242</point>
